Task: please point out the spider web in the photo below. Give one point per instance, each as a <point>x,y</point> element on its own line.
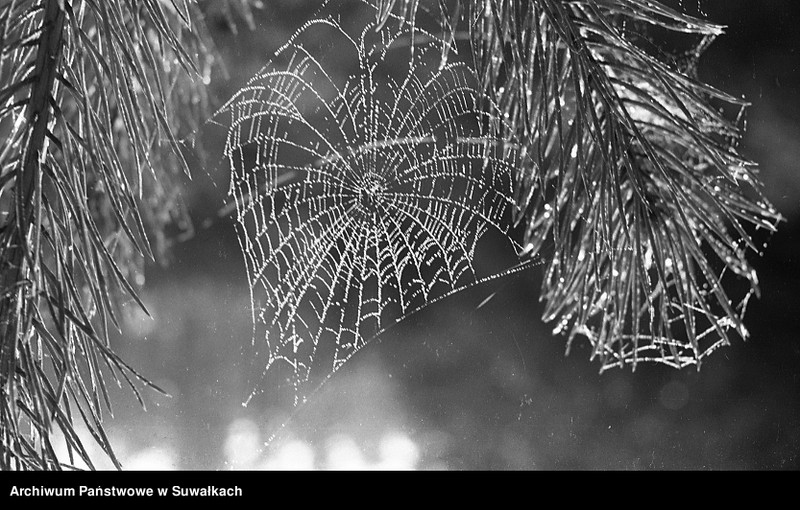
<point>364,174</point>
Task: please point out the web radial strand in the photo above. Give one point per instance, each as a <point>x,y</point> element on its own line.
<point>364,176</point>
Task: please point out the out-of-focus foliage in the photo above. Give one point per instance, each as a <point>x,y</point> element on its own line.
<point>94,98</point>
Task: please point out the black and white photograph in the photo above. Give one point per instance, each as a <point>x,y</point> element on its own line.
<point>396,235</point>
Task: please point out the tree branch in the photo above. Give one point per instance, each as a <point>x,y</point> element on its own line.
<point>26,227</point>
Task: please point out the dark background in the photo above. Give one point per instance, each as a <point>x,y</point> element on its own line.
<point>463,387</point>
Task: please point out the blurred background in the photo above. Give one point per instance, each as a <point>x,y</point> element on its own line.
<point>459,386</point>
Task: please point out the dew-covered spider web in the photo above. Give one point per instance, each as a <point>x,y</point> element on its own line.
<point>364,175</point>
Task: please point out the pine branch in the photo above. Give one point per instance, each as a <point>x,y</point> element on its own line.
<point>28,193</point>
<point>21,236</point>
<point>92,97</point>
<point>629,181</point>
